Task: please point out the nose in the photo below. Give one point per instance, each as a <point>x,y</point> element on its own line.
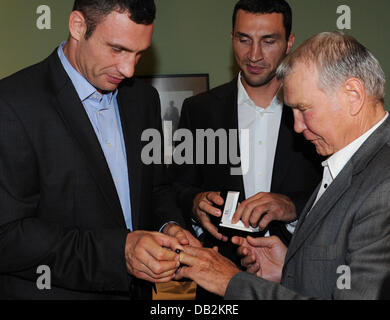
<point>299,123</point>
<point>255,53</point>
<point>126,67</point>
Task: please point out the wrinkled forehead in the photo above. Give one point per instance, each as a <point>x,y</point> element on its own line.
<point>117,28</point>
<point>299,83</point>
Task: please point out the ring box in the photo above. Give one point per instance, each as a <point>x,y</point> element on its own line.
<point>225,225</point>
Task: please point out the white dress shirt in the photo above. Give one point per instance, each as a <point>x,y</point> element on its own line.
<point>263,125</point>
<point>336,163</point>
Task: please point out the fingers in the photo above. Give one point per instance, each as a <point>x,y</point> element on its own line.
<point>160,261</point>
<point>205,202</point>
<point>182,238</point>
<point>215,197</point>
<point>241,206</point>
<point>147,259</point>
<point>253,213</point>
<point>189,258</point>
<point>184,273</point>
<point>213,230</point>
<point>145,276</point>
<point>209,209</point>
<point>264,242</point>
<point>238,214</point>
<point>192,240</point>
<point>243,251</point>
<point>177,232</point>
<point>265,221</point>
<point>161,271</point>
<point>263,208</point>
<point>193,252</point>
<point>180,274</point>
<point>250,212</point>
<point>204,206</point>
<point>156,270</point>
<point>253,269</point>
<point>248,260</point>
<point>239,241</point>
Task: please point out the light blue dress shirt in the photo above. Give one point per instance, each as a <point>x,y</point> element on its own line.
<point>104,115</point>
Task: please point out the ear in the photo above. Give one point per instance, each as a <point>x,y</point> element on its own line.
<point>290,43</point>
<point>354,95</point>
<point>232,34</point>
<point>77,25</point>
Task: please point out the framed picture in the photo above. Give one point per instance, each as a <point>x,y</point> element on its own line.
<point>174,89</point>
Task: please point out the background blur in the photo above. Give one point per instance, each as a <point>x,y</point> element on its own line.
<point>191,36</point>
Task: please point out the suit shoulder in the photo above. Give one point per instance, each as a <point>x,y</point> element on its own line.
<point>141,86</point>
<point>27,74</point>
<point>381,160</point>
<point>207,99</point>
<point>28,81</point>
<point>372,167</point>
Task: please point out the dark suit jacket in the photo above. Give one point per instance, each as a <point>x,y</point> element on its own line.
<point>58,202</point>
<point>296,167</point>
<point>348,226</point>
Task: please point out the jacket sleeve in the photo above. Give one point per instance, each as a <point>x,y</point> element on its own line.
<point>367,257</point>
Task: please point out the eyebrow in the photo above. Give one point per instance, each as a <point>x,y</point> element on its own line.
<point>124,48</point>
<point>267,36</point>
<point>119,47</point>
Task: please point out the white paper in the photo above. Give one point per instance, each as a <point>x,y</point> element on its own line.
<point>228,213</point>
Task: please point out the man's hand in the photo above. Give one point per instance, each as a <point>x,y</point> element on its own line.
<point>263,257</point>
<point>204,206</point>
<point>207,268</point>
<point>183,236</point>
<point>263,208</point>
<point>151,256</point>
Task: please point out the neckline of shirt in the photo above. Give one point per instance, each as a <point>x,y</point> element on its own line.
<point>276,104</point>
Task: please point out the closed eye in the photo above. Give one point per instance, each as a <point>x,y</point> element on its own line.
<point>116,50</point>
<point>269,42</point>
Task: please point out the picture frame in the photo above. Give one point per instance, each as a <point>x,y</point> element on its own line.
<point>174,89</point>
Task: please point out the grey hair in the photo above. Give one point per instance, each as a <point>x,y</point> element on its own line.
<point>338,57</point>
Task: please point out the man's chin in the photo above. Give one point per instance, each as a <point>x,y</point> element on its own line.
<point>108,87</point>
<point>323,151</point>
<point>258,81</point>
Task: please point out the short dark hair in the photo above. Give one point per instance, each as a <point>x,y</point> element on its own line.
<point>140,11</point>
<point>264,7</point>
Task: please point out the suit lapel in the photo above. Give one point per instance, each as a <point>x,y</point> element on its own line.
<point>282,160</point>
<point>229,114</point>
<point>321,209</point>
<point>71,110</point>
<point>132,131</point>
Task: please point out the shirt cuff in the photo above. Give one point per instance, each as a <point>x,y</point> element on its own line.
<point>162,228</point>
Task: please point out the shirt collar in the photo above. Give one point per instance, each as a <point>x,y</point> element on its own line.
<point>84,89</point>
<point>338,160</point>
<point>243,98</point>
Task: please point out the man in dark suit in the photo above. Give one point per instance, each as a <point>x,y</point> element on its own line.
<point>283,168</point>
<point>75,195</point>
<point>341,245</point>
